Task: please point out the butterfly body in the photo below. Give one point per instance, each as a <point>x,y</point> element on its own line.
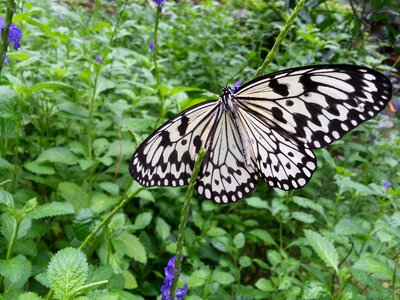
<point>266,128</point>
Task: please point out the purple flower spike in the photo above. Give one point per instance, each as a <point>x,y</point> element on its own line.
<point>14,35</point>
<point>6,59</point>
<point>98,58</point>
<point>159,2</point>
<point>236,85</point>
<point>169,277</point>
<point>386,185</point>
<point>151,46</point>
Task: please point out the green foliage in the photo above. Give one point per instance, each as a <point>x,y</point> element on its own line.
<point>69,124</point>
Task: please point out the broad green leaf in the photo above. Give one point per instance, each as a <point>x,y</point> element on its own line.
<point>303,217</point>
<point>239,240</point>
<point>264,285</point>
<point>67,272</point>
<point>307,203</point>
<point>49,85</point>
<point>29,296</point>
<point>374,266</point>
<point>348,227</point>
<point>198,278</point>
<point>51,209</point>
<point>222,277</point>
<point>5,165</point>
<point>57,155</point>
<point>6,198</point>
<point>16,271</point>
<point>73,194</point>
<point>130,280</point>
<point>216,231</point>
<point>244,261</point>
<point>133,247</point>
<point>40,168</point>
<point>100,146</point>
<point>73,109</point>
<point>163,229</point>
<point>110,187</point>
<point>324,248</point>
<point>328,158</point>
<point>257,202</point>
<point>142,220</point>
<point>263,235</point>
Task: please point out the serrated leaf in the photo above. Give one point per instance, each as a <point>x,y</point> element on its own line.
<point>57,155</point>
<point>40,168</point>
<point>67,272</point>
<point>307,203</point>
<point>142,220</point>
<point>133,247</point>
<point>29,296</point>
<point>73,194</point>
<point>51,209</point>
<point>223,277</point>
<point>16,271</point>
<point>6,198</point>
<point>162,228</point>
<point>374,266</point>
<point>348,227</point>
<point>324,248</point>
<point>110,187</point>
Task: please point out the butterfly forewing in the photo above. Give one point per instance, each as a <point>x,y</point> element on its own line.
<point>317,105</point>
<point>166,158</point>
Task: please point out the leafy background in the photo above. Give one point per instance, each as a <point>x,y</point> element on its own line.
<point>69,124</point>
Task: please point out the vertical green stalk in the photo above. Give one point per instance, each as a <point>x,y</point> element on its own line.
<point>280,38</point>
<point>6,31</point>
<point>156,69</point>
<point>183,222</point>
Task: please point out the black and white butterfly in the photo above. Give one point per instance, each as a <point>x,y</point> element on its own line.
<point>266,128</point>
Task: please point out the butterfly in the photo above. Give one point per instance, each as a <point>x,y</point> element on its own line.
<point>266,129</point>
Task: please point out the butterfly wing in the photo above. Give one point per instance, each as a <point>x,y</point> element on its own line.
<point>281,161</point>
<point>317,104</point>
<point>166,158</point>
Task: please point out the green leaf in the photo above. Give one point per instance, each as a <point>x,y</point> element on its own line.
<point>307,203</point>
<point>163,230</point>
<point>73,194</point>
<point>263,235</point>
<point>5,165</point>
<point>303,217</point>
<point>257,202</point>
<point>67,272</point>
<point>29,296</point>
<point>244,261</point>
<point>16,271</point>
<point>133,247</point>
<point>130,280</point>
<point>40,168</point>
<point>223,277</point>
<point>6,198</point>
<point>328,158</point>
<point>51,209</point>
<point>57,155</point>
<point>110,187</point>
<point>348,227</point>
<point>264,285</point>
<point>216,231</point>
<point>73,109</point>
<point>324,248</point>
<point>198,278</point>
<point>371,265</point>
<point>239,240</point>
<point>49,85</point>
<point>142,220</point>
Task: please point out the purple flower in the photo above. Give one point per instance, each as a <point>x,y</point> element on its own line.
<point>151,46</point>
<point>159,2</point>
<point>6,59</point>
<point>236,86</point>
<point>98,58</point>
<point>14,35</point>
<point>386,185</point>
<point>169,277</point>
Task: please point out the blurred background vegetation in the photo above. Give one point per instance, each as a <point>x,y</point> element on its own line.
<point>80,95</point>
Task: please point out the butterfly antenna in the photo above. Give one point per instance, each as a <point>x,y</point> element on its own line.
<point>241,70</point>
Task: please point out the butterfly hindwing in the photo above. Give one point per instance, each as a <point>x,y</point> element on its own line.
<point>317,105</point>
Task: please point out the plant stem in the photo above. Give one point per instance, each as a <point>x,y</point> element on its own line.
<point>280,38</point>
<point>6,31</point>
<point>156,69</point>
<point>107,219</point>
<point>183,222</point>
